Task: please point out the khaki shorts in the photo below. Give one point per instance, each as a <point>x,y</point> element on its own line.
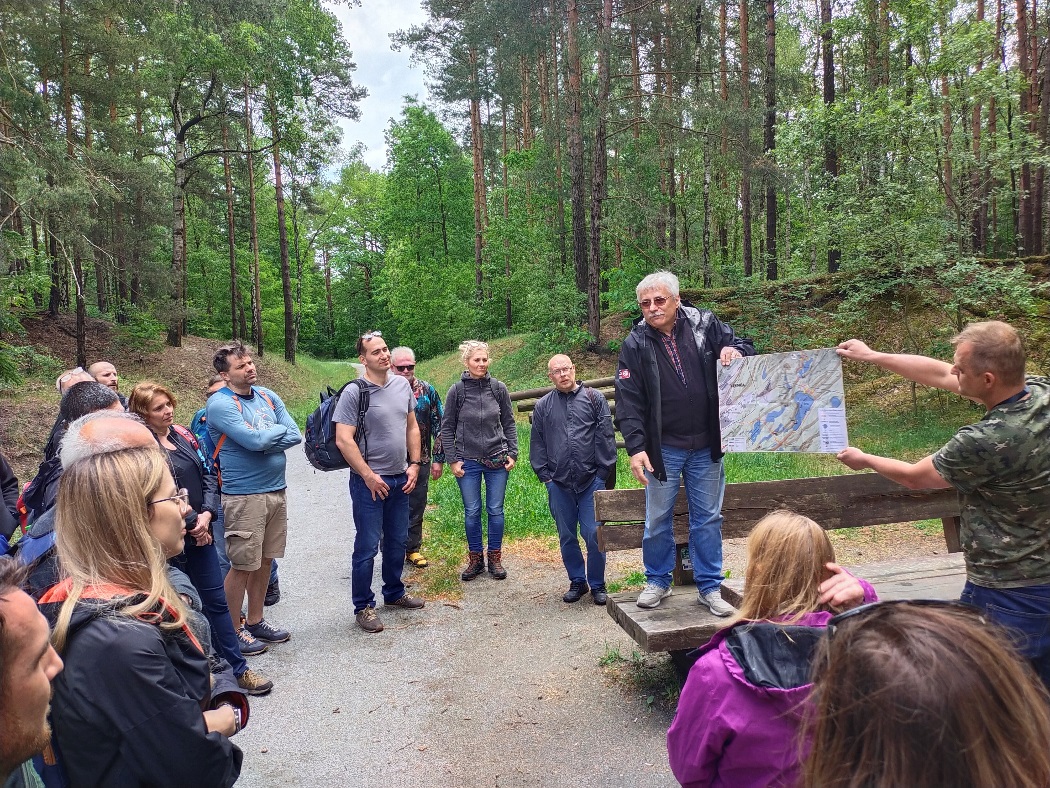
<point>256,528</point>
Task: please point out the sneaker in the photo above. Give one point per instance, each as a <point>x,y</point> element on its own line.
<point>273,594</point>
<point>368,620</point>
<point>713,601</point>
<point>652,595</point>
<point>252,683</point>
<point>577,588</point>
<point>599,595</point>
<point>249,645</point>
<point>407,602</point>
<point>264,630</point>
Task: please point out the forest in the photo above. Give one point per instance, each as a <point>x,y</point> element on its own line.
<point>177,167</point>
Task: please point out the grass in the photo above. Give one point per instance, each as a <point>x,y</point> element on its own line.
<point>651,677</point>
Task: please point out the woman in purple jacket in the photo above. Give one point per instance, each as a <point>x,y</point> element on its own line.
<point>741,709</point>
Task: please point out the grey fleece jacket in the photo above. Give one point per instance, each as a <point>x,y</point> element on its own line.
<point>479,421</point>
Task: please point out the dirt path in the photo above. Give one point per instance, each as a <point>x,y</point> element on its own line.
<point>503,689</point>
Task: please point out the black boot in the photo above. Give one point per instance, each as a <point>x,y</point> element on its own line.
<point>599,595</point>
<point>475,566</point>
<point>577,588</point>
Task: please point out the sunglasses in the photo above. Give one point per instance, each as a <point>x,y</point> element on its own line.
<point>404,367</point>
<point>372,334</point>
<point>858,612</point>
<point>657,301</point>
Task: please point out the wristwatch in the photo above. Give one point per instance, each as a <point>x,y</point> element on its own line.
<point>416,462</point>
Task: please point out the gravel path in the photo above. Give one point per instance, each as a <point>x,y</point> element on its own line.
<point>503,689</point>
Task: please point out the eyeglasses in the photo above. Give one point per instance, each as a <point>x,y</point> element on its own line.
<point>182,496</point>
<point>404,367</point>
<point>862,610</point>
<point>657,301</point>
<point>372,334</point>
<point>557,373</point>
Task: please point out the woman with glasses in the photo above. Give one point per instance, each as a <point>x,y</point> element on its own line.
<point>155,404</point>
<point>481,443</point>
<point>740,711</point>
<point>135,704</point>
<point>925,695</point>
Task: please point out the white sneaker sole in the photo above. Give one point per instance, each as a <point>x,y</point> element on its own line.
<point>725,613</point>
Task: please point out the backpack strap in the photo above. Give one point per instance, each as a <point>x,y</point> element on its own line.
<point>192,440</point>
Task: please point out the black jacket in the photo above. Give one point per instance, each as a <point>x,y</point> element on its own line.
<point>9,511</point>
<point>127,708</point>
<point>572,438</point>
<point>638,414</point>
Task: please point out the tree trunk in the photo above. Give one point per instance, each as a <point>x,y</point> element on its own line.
<point>1024,55</point>
<point>282,235</point>
<point>723,81</point>
<point>231,230</point>
<point>831,154</point>
<point>477,144</point>
<point>67,104</point>
<point>598,185</point>
<point>574,130</point>
<point>745,152</point>
<point>770,140</point>
<point>253,226</point>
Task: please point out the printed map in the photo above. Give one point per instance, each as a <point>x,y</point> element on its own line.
<point>783,402</point>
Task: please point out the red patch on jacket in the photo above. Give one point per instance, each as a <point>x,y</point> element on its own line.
<point>623,374</point>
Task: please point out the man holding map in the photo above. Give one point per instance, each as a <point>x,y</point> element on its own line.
<point>667,412</point>
<point>1001,468</point>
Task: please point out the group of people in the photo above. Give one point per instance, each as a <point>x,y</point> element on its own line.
<point>146,540</point>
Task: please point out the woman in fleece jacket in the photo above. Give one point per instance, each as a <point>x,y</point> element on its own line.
<point>741,709</point>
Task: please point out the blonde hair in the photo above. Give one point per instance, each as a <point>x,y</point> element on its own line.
<point>141,397</point>
<point>995,347</point>
<point>103,536</point>
<point>469,347</point>
<point>786,557</point>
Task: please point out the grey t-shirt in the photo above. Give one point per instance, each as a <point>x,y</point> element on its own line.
<point>389,406</point>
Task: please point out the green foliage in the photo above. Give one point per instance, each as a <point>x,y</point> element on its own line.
<point>141,331</point>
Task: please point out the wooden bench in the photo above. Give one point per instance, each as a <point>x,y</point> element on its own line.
<point>680,624</point>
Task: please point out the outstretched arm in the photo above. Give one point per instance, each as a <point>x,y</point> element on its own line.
<point>921,475</point>
<point>921,369</point>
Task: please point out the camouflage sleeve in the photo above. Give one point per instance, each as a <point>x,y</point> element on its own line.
<point>975,456</point>
<point>436,412</point>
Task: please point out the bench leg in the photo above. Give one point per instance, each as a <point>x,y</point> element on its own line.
<point>683,660</point>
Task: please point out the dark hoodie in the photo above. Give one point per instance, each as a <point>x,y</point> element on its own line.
<point>127,708</point>
<point>479,420</point>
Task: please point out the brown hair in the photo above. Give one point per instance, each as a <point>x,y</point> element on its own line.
<point>12,575</point>
<point>102,532</point>
<point>786,557</point>
<point>995,347</point>
<point>925,697</point>
<point>221,359</point>
<point>141,398</point>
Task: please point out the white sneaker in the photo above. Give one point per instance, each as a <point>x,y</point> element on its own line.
<point>713,601</point>
<point>652,595</point>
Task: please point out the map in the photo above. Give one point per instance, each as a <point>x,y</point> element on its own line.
<point>783,402</point>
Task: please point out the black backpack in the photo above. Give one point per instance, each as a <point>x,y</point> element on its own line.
<point>319,441</point>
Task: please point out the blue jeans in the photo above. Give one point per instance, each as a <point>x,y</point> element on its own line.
<point>218,530</point>
<point>569,508</point>
<point>1023,611</point>
<point>201,565</point>
<point>705,484</point>
<point>386,520</point>
<point>495,491</point>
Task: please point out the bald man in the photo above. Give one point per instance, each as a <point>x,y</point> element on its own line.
<point>573,452</point>
<point>105,373</point>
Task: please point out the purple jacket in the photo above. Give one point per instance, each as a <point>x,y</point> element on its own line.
<point>739,713</point>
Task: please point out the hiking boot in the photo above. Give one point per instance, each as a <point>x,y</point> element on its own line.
<point>713,601</point>
<point>273,594</point>
<point>407,602</point>
<point>496,566</point>
<point>368,620</point>
<point>249,645</point>
<point>652,595</point>
<point>599,595</point>
<point>417,560</point>
<point>264,630</point>
<point>252,683</point>
<point>577,588</point>
<point>475,566</point>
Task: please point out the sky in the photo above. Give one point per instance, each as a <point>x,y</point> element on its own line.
<point>388,75</point>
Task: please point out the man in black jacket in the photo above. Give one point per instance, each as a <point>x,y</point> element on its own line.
<point>667,412</point>
<point>573,451</point>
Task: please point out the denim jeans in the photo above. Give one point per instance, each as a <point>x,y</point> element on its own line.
<point>417,505</point>
<point>383,519</point>
<point>218,531</point>
<point>569,508</point>
<point>705,484</point>
<point>201,565</point>
<point>495,491</point>
<point>1023,611</point>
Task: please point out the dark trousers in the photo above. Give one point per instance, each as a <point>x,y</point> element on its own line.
<point>417,505</point>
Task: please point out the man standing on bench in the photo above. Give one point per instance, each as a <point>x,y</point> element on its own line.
<point>667,412</point>
<point>1001,468</point>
